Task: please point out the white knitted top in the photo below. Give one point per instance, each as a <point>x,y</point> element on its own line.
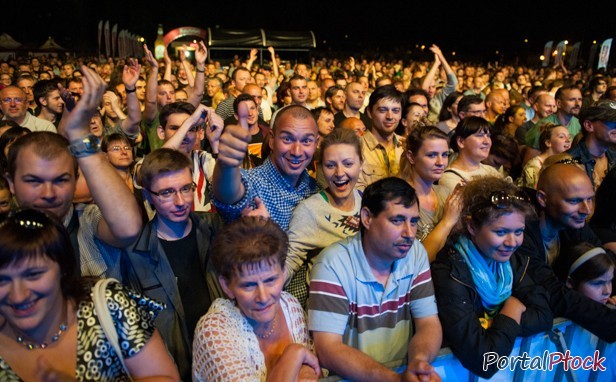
<point>225,347</point>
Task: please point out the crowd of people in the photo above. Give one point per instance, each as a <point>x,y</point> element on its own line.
<point>282,222</point>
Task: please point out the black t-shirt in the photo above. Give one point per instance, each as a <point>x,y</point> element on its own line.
<point>184,260</point>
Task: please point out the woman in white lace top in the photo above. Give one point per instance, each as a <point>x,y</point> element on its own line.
<point>260,334</point>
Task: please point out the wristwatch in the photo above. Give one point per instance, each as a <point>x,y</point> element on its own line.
<point>86,146</point>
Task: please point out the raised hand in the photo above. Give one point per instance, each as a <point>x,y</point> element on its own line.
<point>166,57</point>
<point>213,131</point>
<point>234,140</point>
<point>130,73</point>
<point>149,57</point>
<point>182,52</point>
<point>75,124</point>
<point>201,53</point>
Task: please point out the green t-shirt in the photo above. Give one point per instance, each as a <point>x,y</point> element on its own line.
<point>532,136</point>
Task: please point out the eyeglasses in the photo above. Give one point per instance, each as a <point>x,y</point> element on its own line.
<point>502,200</point>
<point>169,193</point>
<point>29,219</point>
<point>118,148</point>
<point>569,161</point>
<point>14,99</point>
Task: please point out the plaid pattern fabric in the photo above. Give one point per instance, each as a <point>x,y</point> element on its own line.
<point>277,194</point>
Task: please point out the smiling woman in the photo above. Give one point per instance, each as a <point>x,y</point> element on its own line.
<point>485,297</point>
<point>261,332</point>
<point>49,327</point>
<point>330,215</point>
<point>472,142</point>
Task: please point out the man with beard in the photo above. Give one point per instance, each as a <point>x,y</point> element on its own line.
<point>50,104</point>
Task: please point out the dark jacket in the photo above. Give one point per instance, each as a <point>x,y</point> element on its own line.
<point>146,268</point>
<point>581,152</point>
<point>565,302</point>
<point>603,221</point>
<point>460,308</point>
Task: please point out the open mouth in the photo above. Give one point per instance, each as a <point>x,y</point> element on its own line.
<point>24,308</point>
<point>296,163</point>
<point>341,183</point>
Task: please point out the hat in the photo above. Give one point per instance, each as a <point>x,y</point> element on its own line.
<point>603,110</point>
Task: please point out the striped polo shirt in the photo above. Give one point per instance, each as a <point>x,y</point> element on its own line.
<point>347,299</point>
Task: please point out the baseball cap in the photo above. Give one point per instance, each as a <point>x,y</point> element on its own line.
<point>603,110</point>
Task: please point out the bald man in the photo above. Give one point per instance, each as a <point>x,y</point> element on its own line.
<point>354,124</point>
<point>544,106</point>
<point>14,106</point>
<point>354,100</point>
<point>565,199</point>
<point>497,102</point>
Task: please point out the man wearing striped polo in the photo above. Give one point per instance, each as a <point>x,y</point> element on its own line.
<point>371,296</point>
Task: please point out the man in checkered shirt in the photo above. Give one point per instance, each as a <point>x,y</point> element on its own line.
<point>281,181</point>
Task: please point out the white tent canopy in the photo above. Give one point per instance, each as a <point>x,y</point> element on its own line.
<point>8,42</point>
<point>51,44</point>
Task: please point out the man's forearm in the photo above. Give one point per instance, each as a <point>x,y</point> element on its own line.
<point>121,215</point>
<point>150,97</point>
<point>353,364</point>
<point>131,124</point>
<point>227,184</point>
<point>426,342</point>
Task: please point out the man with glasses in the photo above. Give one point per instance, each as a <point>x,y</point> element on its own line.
<point>181,129</point>
<point>169,261</point>
<point>14,105</point>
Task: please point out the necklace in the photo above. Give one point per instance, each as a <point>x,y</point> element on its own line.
<point>43,345</point>
<point>271,331</point>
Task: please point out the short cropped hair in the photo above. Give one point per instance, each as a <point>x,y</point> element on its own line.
<point>45,144</point>
<point>246,243</point>
<point>161,161</point>
<point>377,194</point>
<point>386,92</point>
<point>297,111</point>
<point>241,98</point>
<point>175,108</point>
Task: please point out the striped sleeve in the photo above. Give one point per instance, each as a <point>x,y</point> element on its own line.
<point>328,306</point>
<point>423,302</point>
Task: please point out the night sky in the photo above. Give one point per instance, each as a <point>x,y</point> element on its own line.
<point>473,29</point>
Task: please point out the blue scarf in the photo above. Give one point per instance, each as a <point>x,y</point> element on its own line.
<point>493,280</point>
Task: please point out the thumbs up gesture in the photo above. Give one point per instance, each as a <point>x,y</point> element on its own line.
<point>234,140</point>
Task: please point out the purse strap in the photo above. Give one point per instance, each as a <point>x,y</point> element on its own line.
<point>104,317</point>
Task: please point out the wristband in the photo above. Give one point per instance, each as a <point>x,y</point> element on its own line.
<point>200,70</point>
<point>86,146</point>
<point>130,90</point>
<point>215,155</point>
